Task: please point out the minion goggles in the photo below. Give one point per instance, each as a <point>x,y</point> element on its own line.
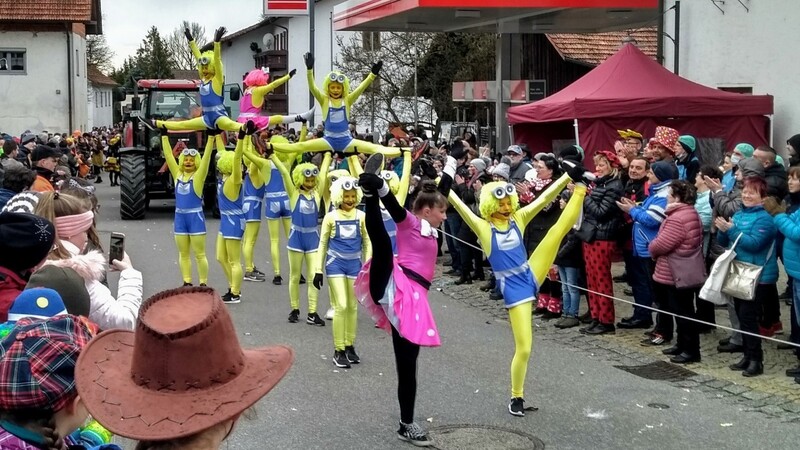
<point>386,175</point>
<point>190,152</point>
<point>310,172</point>
<point>204,60</point>
<point>337,77</point>
<point>501,192</point>
<point>349,185</point>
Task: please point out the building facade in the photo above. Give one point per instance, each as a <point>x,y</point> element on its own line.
<point>100,99</point>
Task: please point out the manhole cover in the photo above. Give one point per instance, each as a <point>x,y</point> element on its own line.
<point>659,370</point>
<point>456,437</point>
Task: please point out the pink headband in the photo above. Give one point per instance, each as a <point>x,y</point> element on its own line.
<point>68,226</point>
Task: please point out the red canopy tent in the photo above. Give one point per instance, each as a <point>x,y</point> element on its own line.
<point>630,90</point>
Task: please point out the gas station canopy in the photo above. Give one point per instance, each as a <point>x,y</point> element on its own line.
<point>494,16</point>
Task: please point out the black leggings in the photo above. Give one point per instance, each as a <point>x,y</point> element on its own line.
<point>405,357</point>
<point>382,257</point>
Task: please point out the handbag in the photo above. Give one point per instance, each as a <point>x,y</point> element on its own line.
<point>712,288</point>
<point>688,271</point>
<point>742,278</point>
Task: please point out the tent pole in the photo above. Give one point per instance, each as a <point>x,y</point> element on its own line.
<point>577,137</point>
<point>771,129</point>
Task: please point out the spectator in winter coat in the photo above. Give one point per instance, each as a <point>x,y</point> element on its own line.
<point>705,310</point>
<point>754,228</point>
<point>17,178</point>
<point>728,178</point>
<point>680,235</point>
<point>25,241</point>
<point>647,219</point>
<point>600,233</point>
<point>793,150</point>
<point>774,172</point>
<point>686,159</point>
<point>518,166</point>
<point>45,160</point>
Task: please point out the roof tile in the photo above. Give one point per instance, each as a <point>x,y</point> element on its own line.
<point>97,77</point>
<point>46,10</point>
<point>594,48</point>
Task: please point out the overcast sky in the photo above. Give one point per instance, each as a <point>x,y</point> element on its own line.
<point>125,22</point>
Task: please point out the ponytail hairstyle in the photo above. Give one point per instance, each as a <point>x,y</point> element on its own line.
<point>429,197</point>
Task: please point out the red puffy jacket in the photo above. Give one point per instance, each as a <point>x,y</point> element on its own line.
<point>11,285</point>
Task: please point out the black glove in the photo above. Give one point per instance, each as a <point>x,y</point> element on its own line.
<point>292,72</point>
<point>309,59</point>
<point>427,169</point>
<point>377,67</point>
<point>318,281</point>
<point>214,131</point>
<point>218,34</point>
<point>163,129</point>
<point>242,132</point>
<point>188,34</point>
<point>250,127</point>
<point>574,170</point>
<point>370,182</point>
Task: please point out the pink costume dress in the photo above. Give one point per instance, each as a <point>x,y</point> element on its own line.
<point>405,302</point>
<point>247,111</point>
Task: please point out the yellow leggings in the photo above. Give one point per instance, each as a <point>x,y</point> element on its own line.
<point>295,269</point>
<point>540,261</point>
<point>345,312</point>
<point>321,145</point>
<point>198,124</point>
<point>521,327</point>
<point>249,243</point>
<point>186,244</point>
<point>229,255</point>
<point>274,226</point>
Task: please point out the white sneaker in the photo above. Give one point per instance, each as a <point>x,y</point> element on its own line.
<point>329,314</point>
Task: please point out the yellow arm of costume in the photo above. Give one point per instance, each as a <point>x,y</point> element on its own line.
<point>366,244</point>
<point>233,184</point>
<point>323,175</point>
<point>263,166</point>
<point>479,226</point>
<point>312,86</point>
<point>353,96</point>
<point>405,178</point>
<point>205,163</point>
<point>219,77</point>
<point>288,185</point>
<point>195,50</point>
<point>324,236</point>
<point>174,169</point>
<point>523,216</point>
<point>261,91</point>
<point>303,133</point>
<point>354,164</point>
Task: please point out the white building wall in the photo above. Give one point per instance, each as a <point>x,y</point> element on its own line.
<point>38,100</point>
<point>742,49</point>
<point>100,110</point>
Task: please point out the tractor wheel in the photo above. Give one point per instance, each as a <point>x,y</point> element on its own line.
<point>133,189</point>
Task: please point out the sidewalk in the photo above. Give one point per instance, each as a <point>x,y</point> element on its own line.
<point>772,393</point>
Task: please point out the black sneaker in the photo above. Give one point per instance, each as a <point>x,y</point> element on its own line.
<point>294,316</point>
<point>203,285</point>
<point>517,407</point>
<point>230,299</point>
<point>315,319</point>
<point>277,280</point>
<point>302,279</point>
<point>340,359</point>
<point>351,354</point>
<point>374,163</point>
<point>254,276</point>
<point>187,284</point>
<point>414,434</point>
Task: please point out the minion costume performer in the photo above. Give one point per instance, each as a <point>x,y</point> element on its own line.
<point>336,100</point>
<point>190,224</point>
<point>398,187</point>
<point>257,86</point>
<point>232,217</point>
<point>500,234</point>
<point>305,197</point>
<point>212,77</point>
<point>342,244</point>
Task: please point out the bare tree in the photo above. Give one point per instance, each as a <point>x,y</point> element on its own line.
<point>98,53</point>
<point>179,48</point>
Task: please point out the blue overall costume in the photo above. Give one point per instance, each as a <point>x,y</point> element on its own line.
<point>231,223</point>
<point>189,218</point>
<point>304,234</point>
<point>213,108</point>
<point>391,229</point>
<point>344,249</point>
<point>253,200</point>
<point>510,265</point>
<point>337,129</point>
<point>276,198</point>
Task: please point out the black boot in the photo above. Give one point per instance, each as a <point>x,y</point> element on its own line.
<point>741,365</point>
<point>489,285</point>
<point>466,278</point>
<point>754,368</point>
<point>478,275</point>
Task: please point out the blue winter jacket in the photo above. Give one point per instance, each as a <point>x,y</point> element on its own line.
<point>5,196</point>
<point>789,226</point>
<point>758,236</point>
<point>728,181</point>
<point>648,217</point>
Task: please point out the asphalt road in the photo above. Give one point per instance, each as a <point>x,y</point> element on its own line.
<point>585,402</point>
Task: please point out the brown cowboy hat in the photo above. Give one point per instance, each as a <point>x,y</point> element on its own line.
<point>182,371</point>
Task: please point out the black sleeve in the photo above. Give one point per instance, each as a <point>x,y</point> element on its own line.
<point>445,184</point>
<point>396,210</point>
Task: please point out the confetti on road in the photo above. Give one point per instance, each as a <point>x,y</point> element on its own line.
<point>726,425</point>
<point>601,414</point>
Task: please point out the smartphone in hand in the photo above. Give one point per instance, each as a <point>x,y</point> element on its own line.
<point>117,247</point>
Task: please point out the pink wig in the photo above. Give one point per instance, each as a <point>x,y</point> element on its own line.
<point>256,77</point>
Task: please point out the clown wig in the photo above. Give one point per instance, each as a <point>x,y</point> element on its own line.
<point>256,77</point>
<point>391,178</point>
<point>298,177</point>
<point>225,162</point>
<point>489,204</point>
<point>338,190</point>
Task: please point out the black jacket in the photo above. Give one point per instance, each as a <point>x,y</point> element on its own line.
<point>570,254</point>
<point>777,184</point>
<point>602,217</point>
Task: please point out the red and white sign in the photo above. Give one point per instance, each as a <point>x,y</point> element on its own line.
<point>285,8</point>
<point>514,91</point>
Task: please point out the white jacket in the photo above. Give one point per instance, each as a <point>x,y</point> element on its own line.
<point>106,311</point>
